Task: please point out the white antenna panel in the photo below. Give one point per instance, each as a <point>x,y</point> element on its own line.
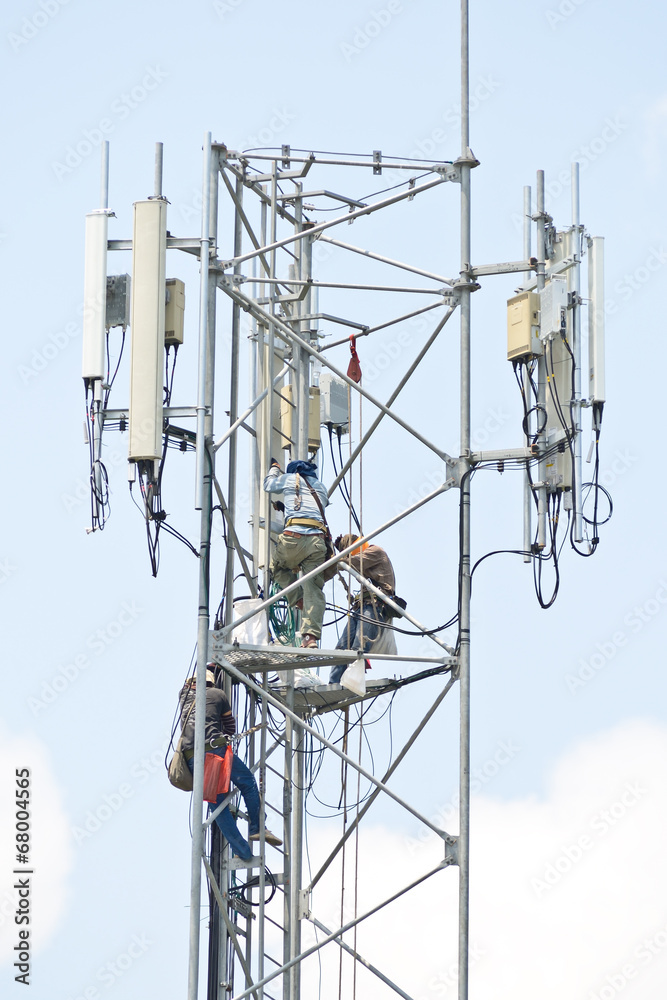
<point>95,295</point>
<point>596,319</point>
<point>149,251</point>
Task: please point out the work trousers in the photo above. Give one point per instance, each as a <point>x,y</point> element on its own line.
<point>244,780</point>
<point>303,552</point>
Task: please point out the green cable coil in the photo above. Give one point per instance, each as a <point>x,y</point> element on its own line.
<point>282,620</point>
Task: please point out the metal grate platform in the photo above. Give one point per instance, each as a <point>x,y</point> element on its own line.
<point>262,659</point>
<point>331,697</point>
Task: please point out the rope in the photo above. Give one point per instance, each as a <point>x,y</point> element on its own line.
<point>356,856</point>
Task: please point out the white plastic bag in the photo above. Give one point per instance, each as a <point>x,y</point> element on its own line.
<point>354,678</point>
<point>254,632</point>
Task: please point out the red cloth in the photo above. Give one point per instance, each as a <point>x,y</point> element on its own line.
<point>354,368</point>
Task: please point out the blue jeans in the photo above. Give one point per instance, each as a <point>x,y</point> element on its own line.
<point>352,635</point>
<point>244,780</point>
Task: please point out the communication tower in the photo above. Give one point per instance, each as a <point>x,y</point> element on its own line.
<point>280,209</point>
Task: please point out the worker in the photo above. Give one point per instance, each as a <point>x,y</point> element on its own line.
<point>369,614</point>
<point>220,727</point>
<point>301,545</point>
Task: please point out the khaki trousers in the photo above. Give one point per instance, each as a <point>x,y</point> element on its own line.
<point>302,553</point>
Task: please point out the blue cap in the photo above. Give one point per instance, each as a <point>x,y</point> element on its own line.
<point>303,468</point>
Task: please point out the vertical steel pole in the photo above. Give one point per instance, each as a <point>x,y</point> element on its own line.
<point>296,855</point>
<point>541,371</point>
<point>464,622</point>
<point>574,277</point>
<point>203,503</point>
<point>233,412</point>
<point>268,376</point>
<point>302,395</point>
<point>97,384</point>
<point>288,856</point>
<point>527,491</point>
<point>306,268</point>
<point>217,934</point>
<point>261,935</point>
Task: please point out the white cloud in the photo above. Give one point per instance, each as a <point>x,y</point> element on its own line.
<point>568,894</point>
<point>50,853</point>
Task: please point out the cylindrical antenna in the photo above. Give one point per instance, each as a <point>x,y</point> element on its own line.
<point>158,170</point>
<point>104,184</point>
<point>527,219</point>
<point>575,193</point>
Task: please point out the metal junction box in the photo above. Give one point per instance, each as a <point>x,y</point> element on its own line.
<point>553,307</point>
<point>523,326</point>
<point>334,402</point>
<point>118,301</point>
<point>174,312</point>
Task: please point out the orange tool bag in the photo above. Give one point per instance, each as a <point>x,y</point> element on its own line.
<point>217,774</point>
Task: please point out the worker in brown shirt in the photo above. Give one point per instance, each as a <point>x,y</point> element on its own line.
<point>369,614</point>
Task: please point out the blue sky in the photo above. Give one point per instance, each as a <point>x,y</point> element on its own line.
<point>551,82</point>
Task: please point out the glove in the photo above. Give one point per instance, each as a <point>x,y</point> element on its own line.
<point>338,543</point>
<point>274,462</point>
<point>279,505</point>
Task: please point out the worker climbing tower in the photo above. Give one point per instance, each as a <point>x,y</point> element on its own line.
<point>271,223</point>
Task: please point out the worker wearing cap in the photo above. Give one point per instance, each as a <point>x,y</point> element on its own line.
<point>220,726</point>
<point>301,545</point>
<point>369,614</point>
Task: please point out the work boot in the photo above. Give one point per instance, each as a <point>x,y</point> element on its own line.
<point>269,837</point>
<point>308,641</point>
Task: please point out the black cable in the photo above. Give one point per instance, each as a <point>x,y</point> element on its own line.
<point>342,485</point>
<point>385,624</point>
<point>554,502</point>
<point>110,380</point>
<point>239,890</point>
